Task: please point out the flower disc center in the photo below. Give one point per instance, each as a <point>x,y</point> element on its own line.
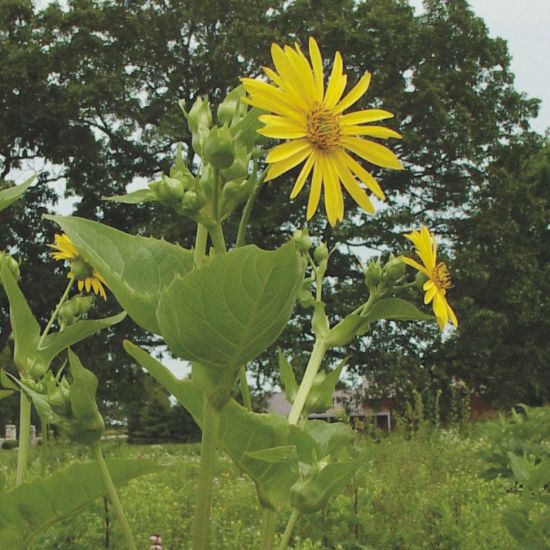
<point>323,128</point>
<point>441,276</point>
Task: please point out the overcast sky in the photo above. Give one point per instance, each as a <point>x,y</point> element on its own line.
<point>525,25</point>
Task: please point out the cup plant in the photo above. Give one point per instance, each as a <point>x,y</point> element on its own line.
<point>220,308</point>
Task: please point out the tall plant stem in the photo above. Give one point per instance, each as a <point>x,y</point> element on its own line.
<point>115,501</point>
<point>268,528</point>
<point>209,443</point>
<point>289,528</point>
<point>44,448</point>
<point>241,233</point>
<point>315,360</point>
<point>218,240</point>
<point>24,438</point>
<point>56,311</point>
<point>200,245</point>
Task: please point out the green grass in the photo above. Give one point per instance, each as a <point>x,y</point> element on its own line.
<point>420,493</point>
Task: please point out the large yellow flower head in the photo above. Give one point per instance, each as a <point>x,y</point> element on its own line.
<point>311,117</point>
<point>86,277</point>
<point>439,278</point>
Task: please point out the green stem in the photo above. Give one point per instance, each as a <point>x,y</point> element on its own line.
<point>216,196</point>
<point>115,501</point>
<point>200,245</point>
<point>24,438</point>
<point>245,390</point>
<point>241,233</point>
<point>289,528</point>
<point>317,355</point>
<point>268,528</point>
<point>56,311</point>
<point>218,241</point>
<point>44,448</point>
<point>209,443</point>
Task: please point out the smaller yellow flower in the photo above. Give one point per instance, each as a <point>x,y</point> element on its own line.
<point>439,278</point>
<point>86,277</point>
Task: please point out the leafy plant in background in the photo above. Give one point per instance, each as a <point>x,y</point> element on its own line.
<point>520,453</point>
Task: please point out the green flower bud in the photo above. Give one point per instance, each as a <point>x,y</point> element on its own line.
<point>301,237</point>
<point>80,269</point>
<point>37,371</point>
<point>373,274</point>
<point>420,279</point>
<point>305,296</point>
<point>395,269</point>
<point>200,115</point>
<point>192,202</point>
<point>239,168</point>
<point>219,150</point>
<point>321,253</point>
<point>307,496</point>
<point>231,107</point>
<point>169,190</point>
<point>60,401</point>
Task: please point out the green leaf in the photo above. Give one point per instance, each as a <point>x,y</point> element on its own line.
<point>11,194</point>
<point>288,380</point>
<point>41,404</point>
<point>395,309</point>
<point>331,439</point>
<point>520,467</point>
<point>136,269</point>
<point>273,455</point>
<point>26,330</point>
<point>229,311</point>
<point>87,425</point>
<point>311,495</point>
<point>245,131</point>
<point>32,507</point>
<point>135,197</point>
<point>540,476</point>
<point>320,396</point>
<point>5,393</point>
<point>57,342</point>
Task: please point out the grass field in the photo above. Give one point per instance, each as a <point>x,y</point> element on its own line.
<point>419,493</point>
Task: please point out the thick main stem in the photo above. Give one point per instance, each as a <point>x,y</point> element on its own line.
<point>268,529</point>
<point>44,448</point>
<point>115,501</point>
<point>289,528</point>
<point>209,443</point>
<point>315,360</point>
<point>200,245</point>
<point>24,438</point>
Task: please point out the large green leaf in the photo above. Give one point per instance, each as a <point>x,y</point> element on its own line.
<point>26,330</point>
<point>136,269</point>
<point>11,194</point>
<point>32,507</point>
<point>58,341</point>
<point>229,311</point>
<point>248,438</point>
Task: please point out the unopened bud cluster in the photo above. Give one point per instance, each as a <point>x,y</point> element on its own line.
<point>378,276</point>
<point>72,310</point>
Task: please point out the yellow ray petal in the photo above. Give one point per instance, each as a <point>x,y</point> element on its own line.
<point>287,72</point>
<point>281,132</point>
<point>317,64</point>
<point>267,104</point>
<point>362,117</point>
<point>278,168</point>
<point>372,131</point>
<point>315,191</point>
<point>288,149</point>
<point>362,174</point>
<point>304,173</point>
<point>352,186</point>
<point>372,152</point>
<point>303,68</point>
<point>355,94</point>
<point>416,265</point>
<point>452,315</point>
<point>336,82</point>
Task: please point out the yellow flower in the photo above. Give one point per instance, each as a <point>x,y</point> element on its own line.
<point>439,278</point>
<point>319,134</point>
<point>86,277</point>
